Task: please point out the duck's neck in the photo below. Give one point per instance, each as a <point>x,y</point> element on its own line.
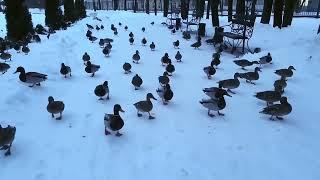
<point>22,76</point>
<point>116,112</point>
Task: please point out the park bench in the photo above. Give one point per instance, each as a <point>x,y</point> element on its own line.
<point>193,21</point>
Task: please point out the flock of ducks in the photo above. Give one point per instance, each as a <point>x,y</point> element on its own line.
<point>114,123</point>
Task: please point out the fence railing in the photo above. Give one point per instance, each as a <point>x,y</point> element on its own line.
<point>305,11</point>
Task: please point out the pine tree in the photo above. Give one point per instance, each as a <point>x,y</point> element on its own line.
<point>19,22</point>
<point>147,7</point>
<point>267,8</point>
<point>214,12</point>
<point>69,10</point>
<point>53,14</point>
<point>82,9</point>
<point>278,11</point>
<point>77,9</point>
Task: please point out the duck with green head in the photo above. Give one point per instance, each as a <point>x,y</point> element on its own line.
<point>114,122</point>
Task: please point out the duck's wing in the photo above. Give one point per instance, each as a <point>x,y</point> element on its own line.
<point>36,74</point>
<point>271,109</point>
<point>211,104</point>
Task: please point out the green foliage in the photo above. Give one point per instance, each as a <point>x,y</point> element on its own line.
<point>54,17</point>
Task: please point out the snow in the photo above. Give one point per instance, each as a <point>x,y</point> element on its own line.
<point>182,142</point>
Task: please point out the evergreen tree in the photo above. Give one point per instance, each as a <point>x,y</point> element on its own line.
<point>230,10</point>
<point>165,8</point>
<point>147,7</point>
<point>77,9</point>
<point>82,10</point>
<point>278,11</point>
<point>267,8</point>
<point>19,22</point>
<point>69,12</point>
<point>214,12</point>
<point>54,18</point>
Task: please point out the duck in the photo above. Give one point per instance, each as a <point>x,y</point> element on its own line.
<point>266,59</point>
<point>7,136</point>
<point>144,41</point>
<point>65,70</point>
<point>251,76</point>
<point>215,62</point>
<point>197,44</point>
<point>143,29</point>
<point>55,107</point>
<point>230,83</point>
<point>101,43</point>
<point>164,79</point>
<point>145,106</point>
<point>136,57</point>
<point>86,58</point>
<point>173,31</point>
<point>120,24</point>
<point>126,28</point>
<point>216,104</point>
<point>102,27</point>
<point>109,46</point>
<point>36,38</point>
<point>112,27</point>
<point>152,23</point>
<point>165,60</point>
<point>131,34</point>
<point>213,92</point>
<point>33,78</point>
<point>25,49</point>
<point>5,56</point>
<point>4,67</point>
<point>89,26</point>
<point>278,110</point>
<point>131,40</point>
<point>97,28</point>
<point>114,122</point>
<point>268,96</point>
<point>115,32</point>
<point>136,81</point>
<point>126,67</point>
<point>176,44</point>
<point>280,85</point>
<point>88,34</point>
<point>209,71</point>
<point>152,46</point>
<point>178,56</point>
<point>91,68</point>
<point>17,47</point>
<point>186,35</point>
<point>285,73</point>
<point>165,93</point>
<point>102,90</point>
<point>92,38</point>
<point>106,51</point>
<point>245,63</point>
<point>170,68</point>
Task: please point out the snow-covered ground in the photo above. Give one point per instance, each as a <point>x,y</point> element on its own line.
<point>182,143</point>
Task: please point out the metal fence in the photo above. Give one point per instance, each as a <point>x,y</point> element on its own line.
<point>309,10</point>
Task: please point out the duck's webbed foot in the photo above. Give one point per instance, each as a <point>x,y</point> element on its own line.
<point>106,132</point>
<point>118,134</point>
<point>220,114</point>
<point>279,118</point>
<point>229,90</point>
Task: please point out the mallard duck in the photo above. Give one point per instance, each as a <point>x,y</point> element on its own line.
<point>230,83</point>
<point>216,104</point>
<point>176,44</point>
<point>85,58</point>
<point>143,29</point>
<point>115,32</point>
<point>145,106</point>
<point>144,41</point>
<point>131,34</point>
<point>97,28</point>
<point>209,71</point>
<point>186,35</point>
<point>55,107</point>
<point>197,44</point>
<point>266,59</point>
<point>164,80</point>
<point>25,49</point>
<point>170,68</point>
<point>278,110</point>
<point>65,70</point>
<point>112,27</point>
<point>213,92</point>
<point>152,23</point>
<point>113,122</point>
<point>33,78</point>
<point>120,24</point>
<point>106,51</point>
<point>165,60</point>
<point>136,57</point>
<point>91,68</point>
<point>109,46</point>
<point>152,46</point>
<point>269,96</point>
<point>280,85</point>
<point>131,40</point>
<point>17,47</point>
<point>5,56</point>
<point>88,34</point>
<point>251,76</point>
<point>215,62</point>
<point>92,38</point>
<point>7,136</point>
<point>101,27</point>
<point>173,31</point>
<point>136,81</point>
<point>4,67</point>
<point>245,63</point>
<point>89,26</point>
<point>285,73</point>
<point>126,67</point>
<point>102,90</point>
<point>165,93</point>
<point>178,57</point>
<point>101,43</point>
<point>126,28</point>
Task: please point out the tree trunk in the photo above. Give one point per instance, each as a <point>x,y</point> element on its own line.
<point>147,7</point>
<point>253,7</point>
<point>165,8</point>
<point>230,10</point>
<point>125,5</point>
<point>94,5</point>
<point>278,9</point>
<point>240,8</point>
<point>202,4</point>
<point>215,13</point>
<point>135,6</point>
<point>288,12</point>
<point>99,4</point>
<point>208,9</point>
<point>155,7</point>
<point>267,8</point>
